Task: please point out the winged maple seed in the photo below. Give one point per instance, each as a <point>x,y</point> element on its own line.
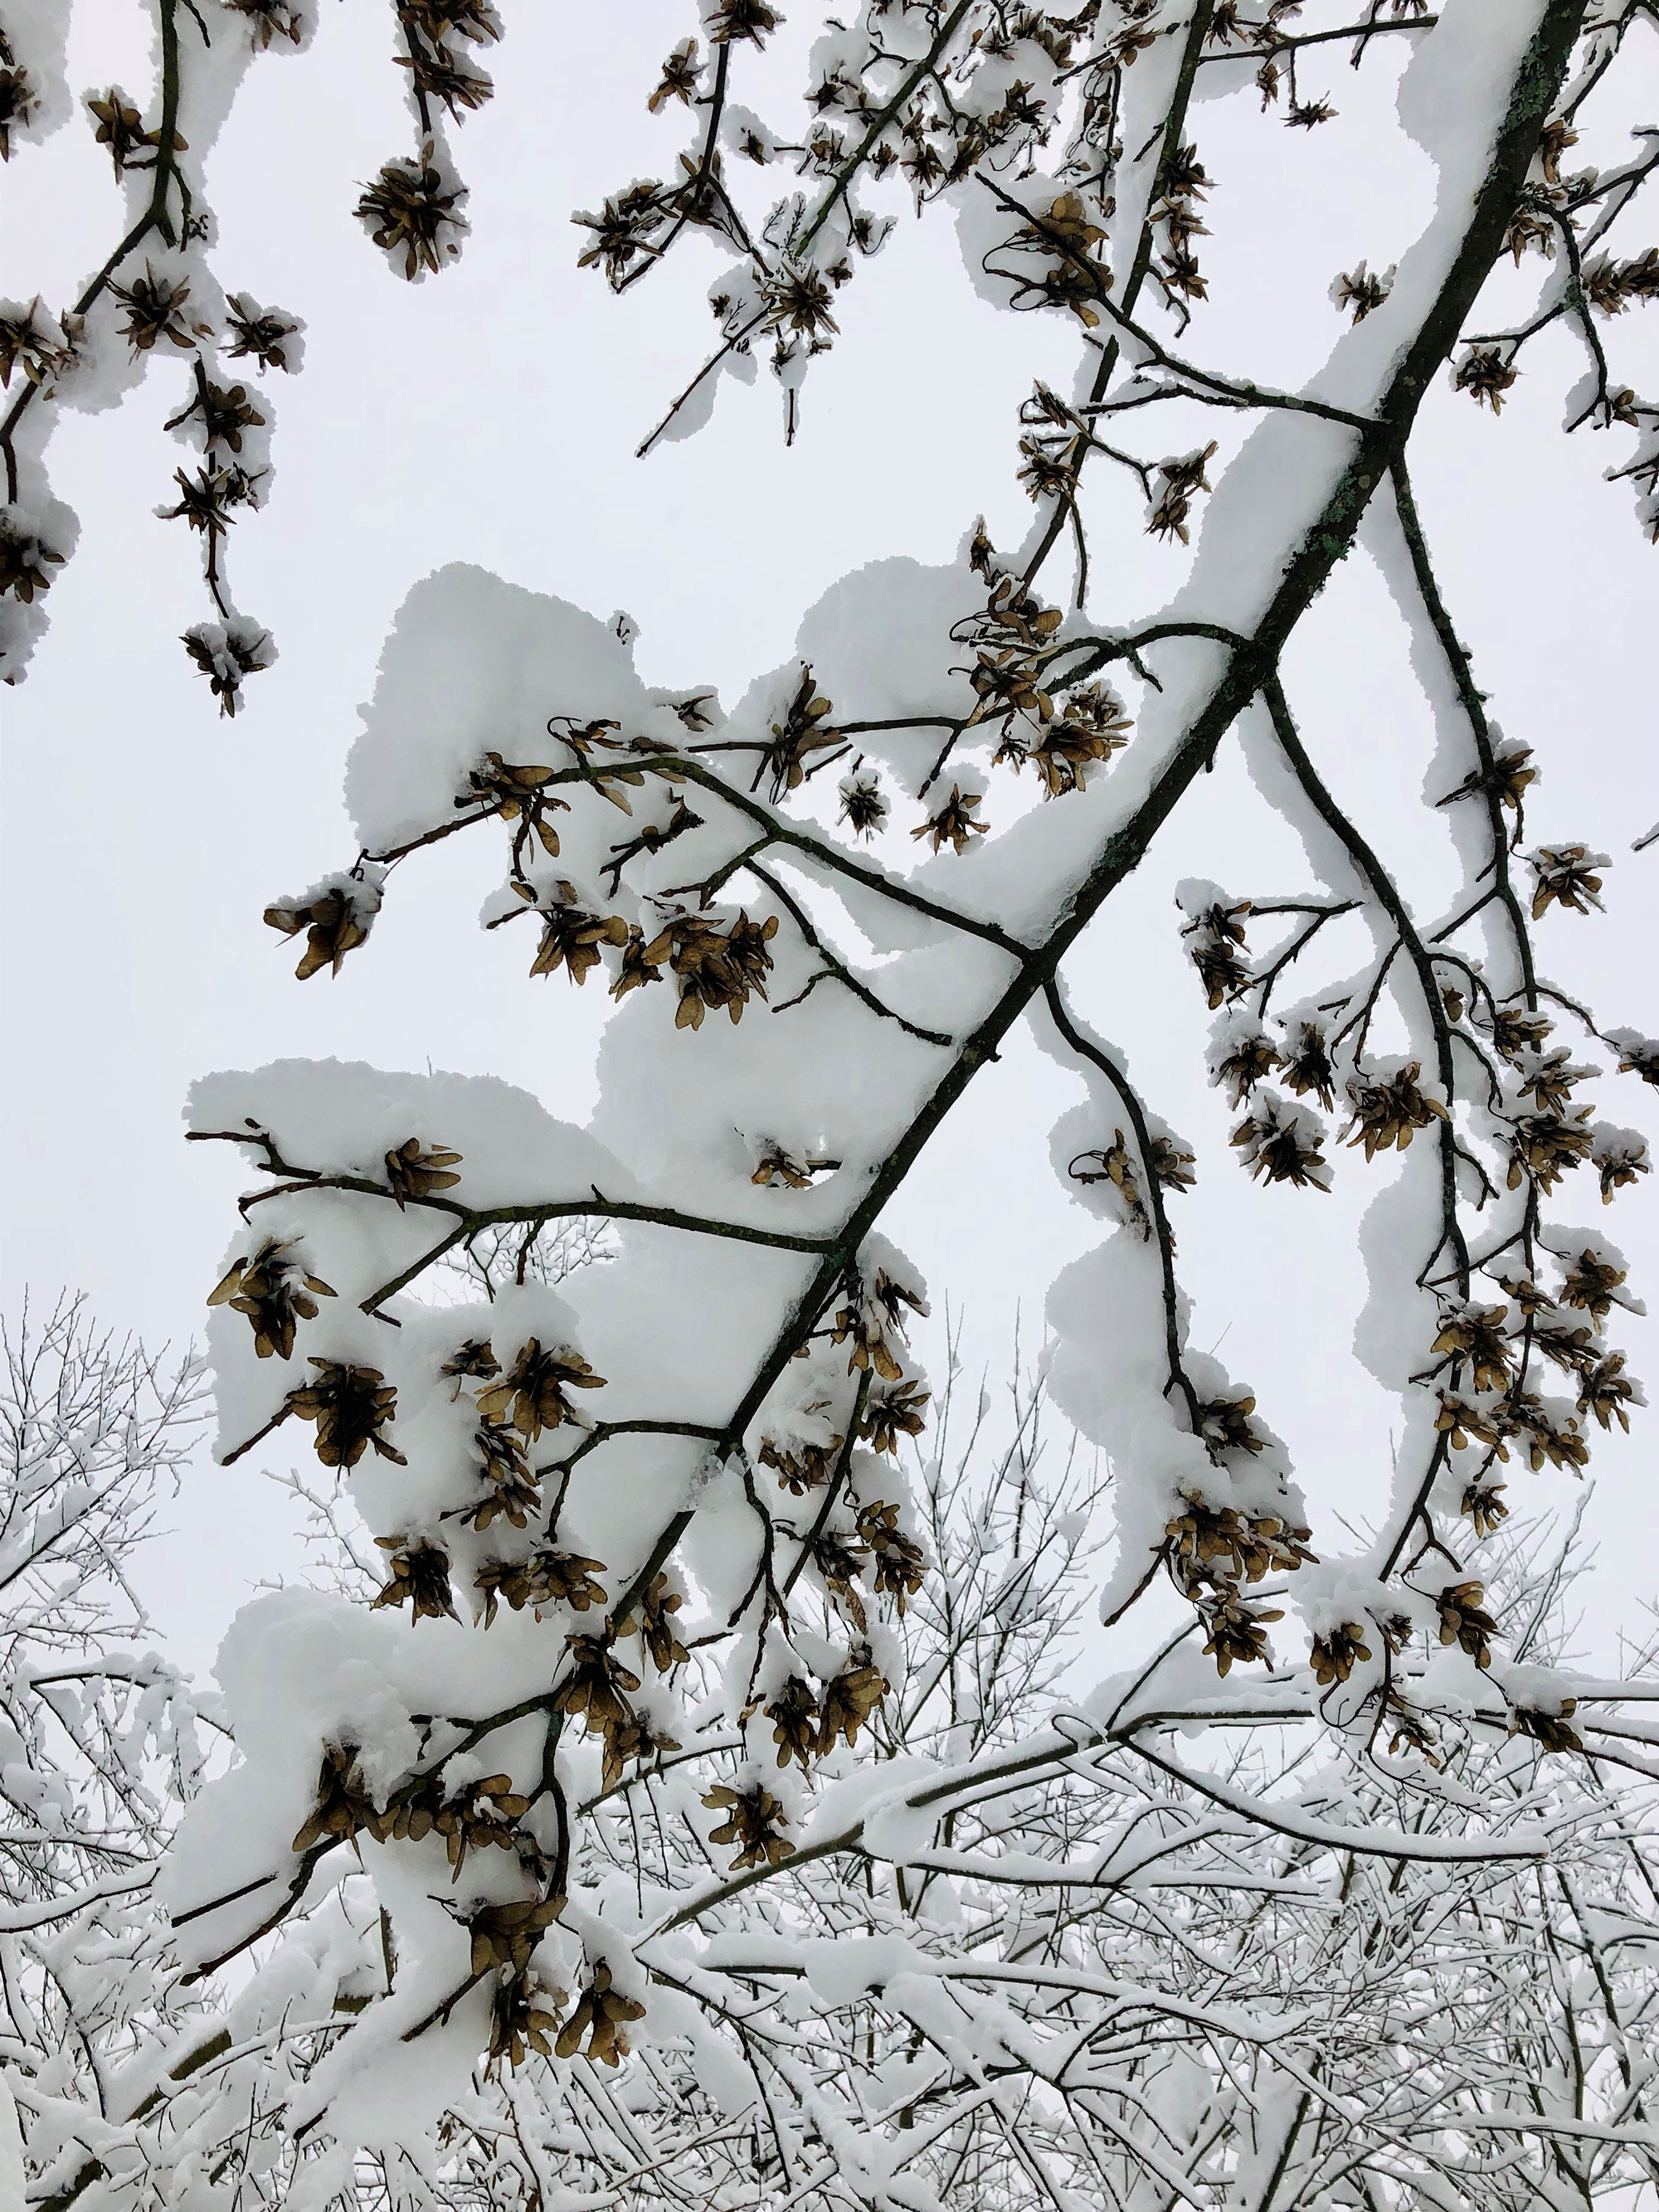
<point>226,654</point>
<point>598,1680</point>
<point>415,1173</point>
<point>336,922</point>
<point>900,1562</point>
<point>1391,1111</point>
<point>515,1490</point>
<point>1069,749</point>
<point>754,1819</point>
<point>437,75</point>
<point>1251,1058</point>
<point>650,1618</point>
<point>25,560</point>
<point>1486,374</point>
<point>602,2015</point>
<point>715,969</point>
<point>1606,1390</point>
<point>1472,1336</point>
<point>1217,936</point>
<point>515,793</point>
<point>533,1390</point>
<point>1362,290</point>
<point>875,1314</point>
<point>795,1712</point>
<point>481,1815</point>
<point>344,1807</point>
<point>1170,1165</point>
<point>1550,1731</point>
<point>863,808</point>
<point>1251,1545</point>
<point>38,343</point>
<point>1590,1284</point>
<point>473,1360</point>
<point>1489,1424</point>
<point>1463,1621</point>
<point>1281,1143</point>
<point>18,97</point>
<point>1483,1504</point>
<point>1067,239</point>
<point>1224,1426</point>
<point>839,1562</point>
<point>1620,1160</point>
<point>681,73</point>
<point>275,1292</point>
<point>524,2012</point>
<point>571,936</point>
<point>954,825</point>
<point>1549,1078</point>
<point>1238,1631</point>
<point>1113,1165</point>
<point>223,412</point>
<point>350,1407</point>
<point>1183,478</point>
<point>506,1935</point>
<point>410,209</point>
<point>1543,1147</point>
<point>419,1579</point>
<point>794,1171</point>
<point>804,731</point>
<point>548,1576</point>
<point>1336,1653</point>
<point>1566,876</point>
<point>154,310</point>
<point>800,1466</point>
<point>1413,1731</point>
<point>630,1741</point>
<point>850,1698</point>
<point>1543,1437</point>
<point>892,1413</point>
<point>261,334</point>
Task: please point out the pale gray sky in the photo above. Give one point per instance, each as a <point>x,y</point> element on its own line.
<point>491,416</point>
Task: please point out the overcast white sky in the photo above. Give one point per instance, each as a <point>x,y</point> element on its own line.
<point>492,417</point>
